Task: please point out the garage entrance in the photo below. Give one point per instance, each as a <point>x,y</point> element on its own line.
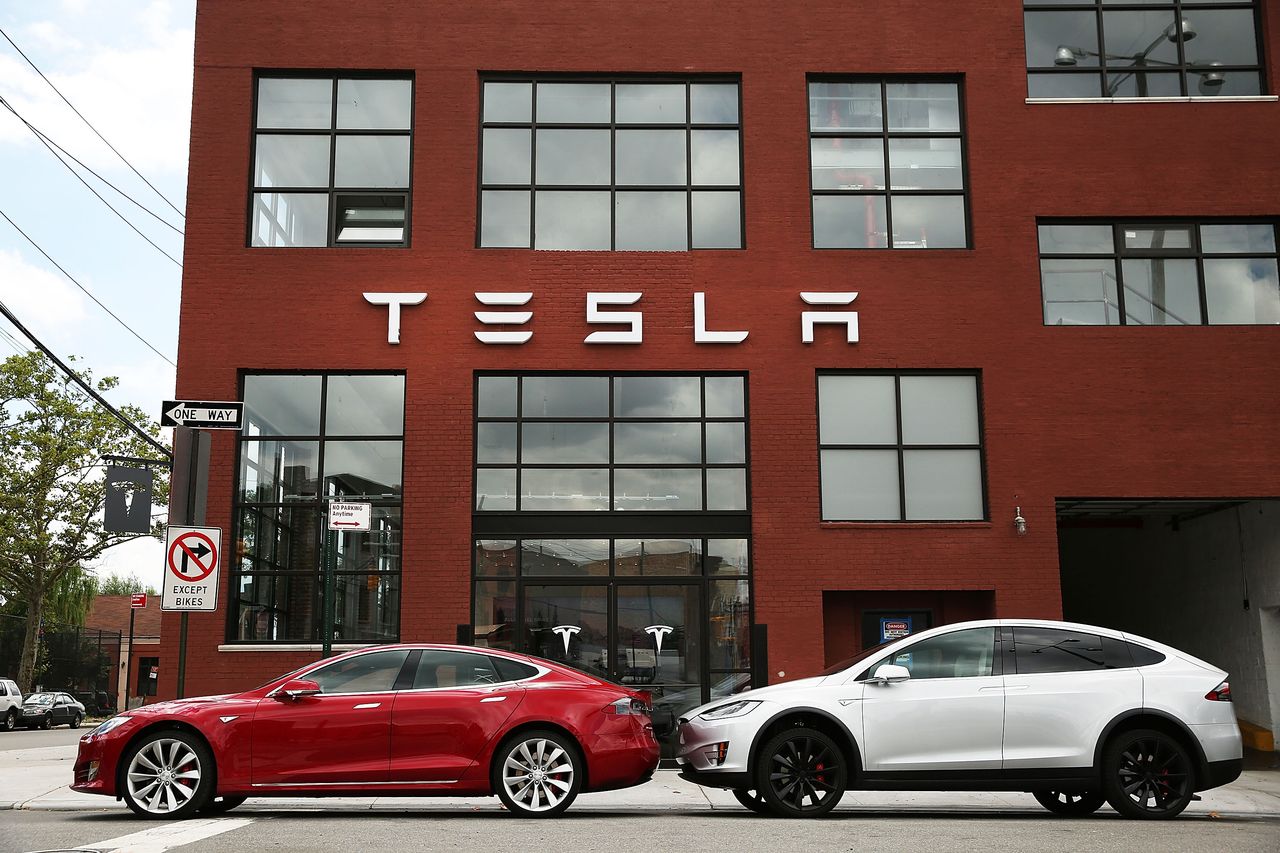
<point>1200,575</point>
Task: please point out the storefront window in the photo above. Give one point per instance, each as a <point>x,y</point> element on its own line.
<point>308,439</point>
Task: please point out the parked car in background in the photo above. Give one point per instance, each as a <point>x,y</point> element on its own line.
<point>402,720</point>
<point>45,710</point>
<point>10,704</point>
<point>1074,714</point>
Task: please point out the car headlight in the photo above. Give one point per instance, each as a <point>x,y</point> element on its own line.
<point>113,723</point>
<point>733,709</point>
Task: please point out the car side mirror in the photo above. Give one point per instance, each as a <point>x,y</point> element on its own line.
<point>297,688</point>
<point>891,674</point>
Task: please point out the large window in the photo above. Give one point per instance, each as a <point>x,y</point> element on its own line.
<point>1159,274</point>
<point>1142,48</point>
<point>887,157</point>
<point>309,439</point>
<point>331,158</point>
<point>900,447</point>
<point>626,165</point>
<point>628,443</point>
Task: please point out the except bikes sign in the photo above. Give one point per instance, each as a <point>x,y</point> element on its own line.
<point>192,556</point>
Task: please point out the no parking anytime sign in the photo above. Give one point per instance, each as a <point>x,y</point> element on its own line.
<point>191,561</point>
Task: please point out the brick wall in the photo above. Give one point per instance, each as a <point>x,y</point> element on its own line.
<point>1068,411</point>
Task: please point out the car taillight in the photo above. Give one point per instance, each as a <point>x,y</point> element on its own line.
<point>1221,693</point>
<point>627,707</point>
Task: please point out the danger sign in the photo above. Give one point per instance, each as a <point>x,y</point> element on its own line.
<point>191,568</point>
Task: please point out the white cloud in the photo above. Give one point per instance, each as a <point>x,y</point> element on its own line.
<point>44,301</point>
<point>142,557</point>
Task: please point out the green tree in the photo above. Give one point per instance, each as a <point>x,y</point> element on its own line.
<point>116,585</point>
<point>52,439</point>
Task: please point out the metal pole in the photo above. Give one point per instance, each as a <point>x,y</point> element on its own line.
<point>330,557</point>
<point>193,473</point>
<point>128,659</point>
<point>182,657</point>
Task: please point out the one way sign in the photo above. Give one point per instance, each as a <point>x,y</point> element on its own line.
<point>201,414</point>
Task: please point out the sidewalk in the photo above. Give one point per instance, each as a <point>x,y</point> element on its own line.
<point>38,778</point>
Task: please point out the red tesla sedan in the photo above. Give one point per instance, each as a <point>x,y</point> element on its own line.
<point>403,720</point>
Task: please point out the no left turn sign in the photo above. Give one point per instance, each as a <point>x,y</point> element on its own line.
<point>192,556</point>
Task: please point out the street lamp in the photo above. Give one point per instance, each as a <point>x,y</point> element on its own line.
<point>1210,78</point>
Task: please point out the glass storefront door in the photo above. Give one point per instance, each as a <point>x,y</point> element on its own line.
<point>668,616</point>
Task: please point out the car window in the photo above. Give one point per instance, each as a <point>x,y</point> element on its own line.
<point>374,672</point>
<point>1143,656</point>
<point>1056,650</point>
<point>959,654</point>
<point>440,668</point>
<point>512,670</point>
<point>39,699</point>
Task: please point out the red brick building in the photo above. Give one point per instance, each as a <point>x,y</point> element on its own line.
<point>938,231</point>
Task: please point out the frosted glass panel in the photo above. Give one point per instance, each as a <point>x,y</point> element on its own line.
<point>860,485</point>
<point>939,410</point>
<point>856,410</point>
<point>726,489</point>
<point>943,485</point>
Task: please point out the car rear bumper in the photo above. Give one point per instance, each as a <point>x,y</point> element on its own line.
<point>621,760</point>
<point>716,778</point>
<point>1219,773</point>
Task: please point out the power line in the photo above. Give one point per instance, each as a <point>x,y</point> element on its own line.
<point>76,378</point>
<point>122,217</point>
<point>85,289</point>
<point>88,123</point>
<point>43,137</point>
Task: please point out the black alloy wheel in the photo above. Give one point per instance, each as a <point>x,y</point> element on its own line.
<point>75,720</point>
<point>750,799</point>
<point>1147,774</point>
<point>221,805</point>
<point>47,722</point>
<point>10,720</point>
<point>1070,803</point>
<point>801,773</point>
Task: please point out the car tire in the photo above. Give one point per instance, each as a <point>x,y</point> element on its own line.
<point>75,721</point>
<point>47,722</point>
<point>750,799</point>
<point>167,775</point>
<point>1070,803</point>
<point>537,773</point>
<point>221,805</point>
<point>10,720</point>
<point>1147,774</point>
<point>798,764</point>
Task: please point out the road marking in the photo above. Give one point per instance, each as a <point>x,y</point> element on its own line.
<point>161,838</point>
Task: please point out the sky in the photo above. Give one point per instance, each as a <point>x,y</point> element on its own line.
<point>126,66</point>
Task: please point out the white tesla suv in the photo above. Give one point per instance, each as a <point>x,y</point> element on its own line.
<point>1074,714</point>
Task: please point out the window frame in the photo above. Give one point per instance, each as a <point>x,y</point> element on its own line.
<point>317,504</point>
<point>885,135</point>
<point>331,192</point>
<point>1016,656</point>
<point>613,187</point>
<point>1182,68</point>
<point>900,447</point>
<point>1119,253</point>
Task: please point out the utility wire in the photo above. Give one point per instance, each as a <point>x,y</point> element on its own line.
<point>88,123</point>
<point>123,218</point>
<point>76,378</point>
<point>85,289</point>
<point>43,137</point>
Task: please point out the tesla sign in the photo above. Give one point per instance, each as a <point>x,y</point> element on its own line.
<point>513,324</point>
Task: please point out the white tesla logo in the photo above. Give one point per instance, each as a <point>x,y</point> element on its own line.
<point>658,632</point>
<point>565,632</point>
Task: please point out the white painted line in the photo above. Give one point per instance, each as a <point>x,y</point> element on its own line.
<point>168,835</point>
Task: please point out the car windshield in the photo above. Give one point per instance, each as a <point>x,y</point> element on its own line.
<point>39,699</point>
<point>286,675</point>
<point>858,658</point>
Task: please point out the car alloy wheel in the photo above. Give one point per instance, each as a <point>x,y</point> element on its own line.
<point>75,721</point>
<point>1147,774</point>
<point>537,774</point>
<point>801,773</point>
<point>11,720</point>
<point>751,799</point>
<point>1070,803</point>
<point>47,722</point>
<point>167,776</point>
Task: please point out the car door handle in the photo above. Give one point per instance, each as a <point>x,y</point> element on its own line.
<point>494,699</point>
<point>996,689</point>
<point>1016,686</point>
<point>366,705</point>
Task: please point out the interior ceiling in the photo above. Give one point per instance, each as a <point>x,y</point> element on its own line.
<point>1138,507</point>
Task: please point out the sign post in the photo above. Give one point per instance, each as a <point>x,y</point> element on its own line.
<point>136,601</point>
<point>353,517</point>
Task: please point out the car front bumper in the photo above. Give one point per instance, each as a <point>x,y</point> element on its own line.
<point>700,742</point>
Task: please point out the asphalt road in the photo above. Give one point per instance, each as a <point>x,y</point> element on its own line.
<point>587,832</point>
<point>35,738</point>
